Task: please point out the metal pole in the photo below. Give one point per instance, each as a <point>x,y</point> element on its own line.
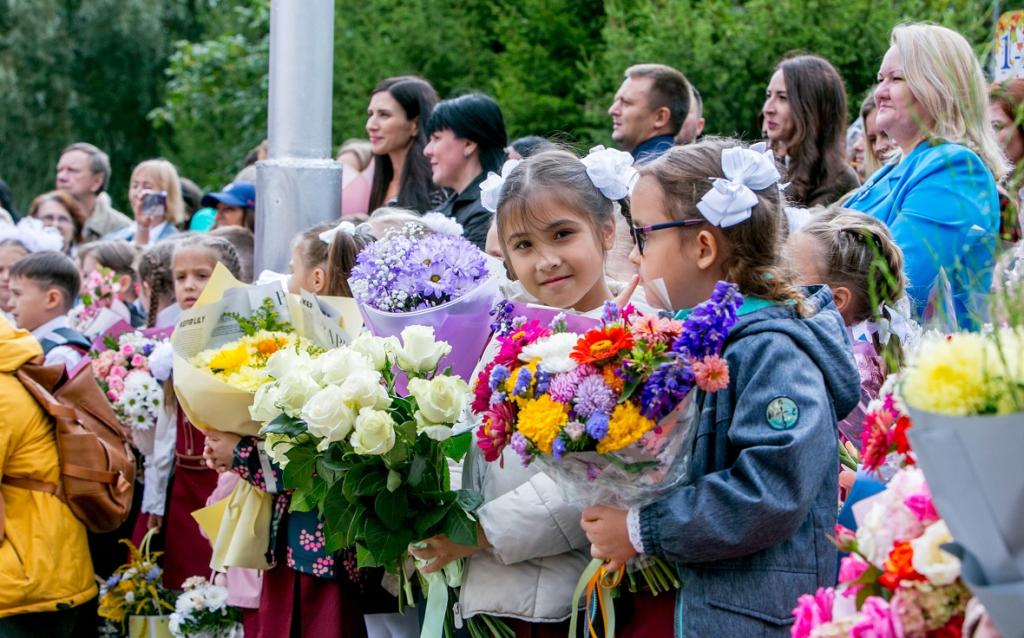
<point>299,185</point>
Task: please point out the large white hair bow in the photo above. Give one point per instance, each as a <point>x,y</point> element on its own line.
<point>33,235</point>
<point>490,188</point>
<point>611,171</point>
<point>346,227</point>
<point>731,200</point>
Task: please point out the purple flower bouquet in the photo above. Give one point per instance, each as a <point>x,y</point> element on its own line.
<point>437,280</point>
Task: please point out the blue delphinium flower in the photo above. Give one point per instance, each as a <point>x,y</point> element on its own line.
<point>610,312</point>
<point>705,330</point>
<point>666,387</point>
<point>597,425</point>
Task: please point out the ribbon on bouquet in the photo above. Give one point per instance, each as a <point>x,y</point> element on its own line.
<point>437,585</point>
<point>598,583</point>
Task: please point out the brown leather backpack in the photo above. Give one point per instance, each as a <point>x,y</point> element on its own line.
<point>97,465</point>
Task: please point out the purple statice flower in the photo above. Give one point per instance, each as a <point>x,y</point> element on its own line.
<point>498,397</point>
<point>705,330</point>
<point>558,324</point>
<point>575,430</point>
<point>520,446</point>
<point>543,382</point>
<point>499,374</point>
<point>502,313</point>
<point>558,449</point>
<point>523,379</point>
<point>666,387</point>
<point>593,395</point>
<point>610,312</point>
<point>597,425</point>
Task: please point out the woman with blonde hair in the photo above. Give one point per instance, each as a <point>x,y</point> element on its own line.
<point>155,195</point>
<point>939,196</point>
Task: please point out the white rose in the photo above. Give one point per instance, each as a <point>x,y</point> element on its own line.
<point>365,391</point>
<point>338,364</point>
<point>264,405</point>
<point>327,415</point>
<point>294,391</point>
<point>435,431</point>
<point>553,351</point>
<point>376,349</point>
<point>420,352</point>
<point>930,560</point>
<point>288,361</point>
<point>440,400</point>
<point>276,446</point>
<point>374,432</point>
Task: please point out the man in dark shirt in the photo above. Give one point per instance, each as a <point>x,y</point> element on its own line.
<point>649,109</point>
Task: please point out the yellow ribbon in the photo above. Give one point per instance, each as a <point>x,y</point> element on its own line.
<point>599,584</point>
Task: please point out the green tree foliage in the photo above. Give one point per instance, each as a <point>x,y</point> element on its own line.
<point>93,70</point>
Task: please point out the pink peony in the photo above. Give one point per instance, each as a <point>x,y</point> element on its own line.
<point>127,349</point>
<point>712,373</point>
<point>138,361</point>
<point>922,505</point>
<point>812,612</point>
<point>851,568</point>
<point>877,620</point>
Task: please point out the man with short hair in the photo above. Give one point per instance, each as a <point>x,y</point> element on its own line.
<point>649,109</point>
<point>693,125</point>
<point>83,172</point>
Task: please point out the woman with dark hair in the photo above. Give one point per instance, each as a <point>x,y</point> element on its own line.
<point>1006,101</point>
<point>62,211</point>
<point>467,140</point>
<point>396,125</point>
<point>805,122</point>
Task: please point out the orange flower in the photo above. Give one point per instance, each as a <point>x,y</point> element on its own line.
<point>612,380</point>
<point>899,567</point>
<point>267,347</point>
<point>602,344</point>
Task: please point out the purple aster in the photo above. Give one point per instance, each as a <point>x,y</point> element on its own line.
<point>666,387</point>
<point>520,446</point>
<point>705,330</point>
<point>597,425</point>
<point>563,386</point>
<point>499,374</point>
<point>523,379</point>
<point>593,395</point>
<point>558,449</point>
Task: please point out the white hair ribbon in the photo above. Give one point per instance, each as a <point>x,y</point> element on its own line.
<point>731,200</point>
<point>441,224</point>
<point>346,227</point>
<point>611,171</point>
<point>490,188</point>
<point>34,235</point>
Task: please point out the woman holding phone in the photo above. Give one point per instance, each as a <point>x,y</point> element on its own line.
<point>155,196</point>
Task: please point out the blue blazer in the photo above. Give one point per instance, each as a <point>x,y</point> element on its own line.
<point>942,206</point>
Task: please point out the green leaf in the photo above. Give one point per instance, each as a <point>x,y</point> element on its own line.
<point>343,519</point>
<point>456,447</point>
<point>284,424</point>
<point>364,558</point>
<point>365,480</point>
<point>426,524</point>
<point>468,500</point>
<point>391,507</point>
<point>459,527</point>
<point>306,500</point>
<point>298,473</point>
<point>334,458</point>
<point>417,470</point>
<point>386,545</point>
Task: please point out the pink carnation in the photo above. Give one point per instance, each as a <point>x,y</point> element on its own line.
<point>118,372</point>
<point>138,361</point>
<point>712,373</point>
<point>116,384</point>
<point>127,349</point>
<point>851,568</point>
<point>812,612</point>
<point>877,620</point>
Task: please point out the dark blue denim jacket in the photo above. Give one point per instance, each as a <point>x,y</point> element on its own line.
<point>749,530</point>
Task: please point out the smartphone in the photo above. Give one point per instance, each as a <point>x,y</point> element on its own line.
<point>154,204</point>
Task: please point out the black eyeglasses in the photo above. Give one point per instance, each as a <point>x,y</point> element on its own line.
<point>640,232</point>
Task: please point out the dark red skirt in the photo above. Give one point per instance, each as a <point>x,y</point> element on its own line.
<point>643,615</point>
<point>297,605</point>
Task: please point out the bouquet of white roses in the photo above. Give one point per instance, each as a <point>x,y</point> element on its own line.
<point>202,611</point>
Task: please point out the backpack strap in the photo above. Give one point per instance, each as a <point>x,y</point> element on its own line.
<point>66,337</point>
<point>34,485</point>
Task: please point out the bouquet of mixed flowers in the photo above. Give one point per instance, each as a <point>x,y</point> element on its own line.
<point>605,411</point>
<point>202,611</point>
<point>102,304</point>
<point>136,588</point>
<point>372,461</point>
<point>121,363</point>
<point>416,277</point>
<point>897,581</point>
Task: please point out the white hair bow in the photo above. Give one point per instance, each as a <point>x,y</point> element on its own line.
<point>490,188</point>
<point>346,227</point>
<point>34,235</point>
<point>731,200</point>
<point>611,171</point>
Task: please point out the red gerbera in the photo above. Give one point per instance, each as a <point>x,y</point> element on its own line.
<point>602,344</point>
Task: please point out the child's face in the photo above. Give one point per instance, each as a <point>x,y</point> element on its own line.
<point>679,267</point>
<point>806,260</point>
<point>32,305</point>
<point>9,255</point>
<point>558,256</point>
<point>304,278</point>
<point>192,269</point>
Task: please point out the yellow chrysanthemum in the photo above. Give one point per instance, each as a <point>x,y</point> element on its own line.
<point>248,378</point>
<point>540,421</point>
<point>948,375</point>
<point>229,359</point>
<point>625,428</point>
